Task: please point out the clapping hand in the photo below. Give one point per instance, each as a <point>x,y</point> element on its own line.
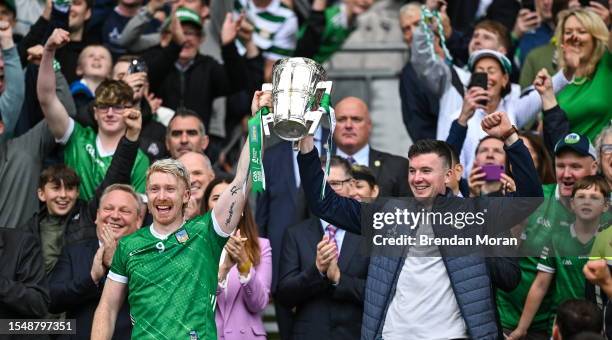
<point>230,28</point>
<point>326,253</point>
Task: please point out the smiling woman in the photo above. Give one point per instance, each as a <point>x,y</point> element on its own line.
<point>582,34</point>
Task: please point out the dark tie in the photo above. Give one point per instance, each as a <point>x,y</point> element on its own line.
<point>351,160</point>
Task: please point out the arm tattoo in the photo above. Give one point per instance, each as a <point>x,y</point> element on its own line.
<point>230,214</point>
<point>234,190</point>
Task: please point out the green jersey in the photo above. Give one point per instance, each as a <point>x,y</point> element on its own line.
<point>586,101</point>
<point>172,281</point>
<point>565,257</point>
<point>81,152</point>
<point>602,247</point>
<point>337,30</point>
<point>551,215</point>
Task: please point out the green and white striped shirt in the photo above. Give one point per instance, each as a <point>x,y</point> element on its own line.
<point>275,28</point>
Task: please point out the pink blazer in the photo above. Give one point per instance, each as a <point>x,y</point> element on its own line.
<point>239,314</point>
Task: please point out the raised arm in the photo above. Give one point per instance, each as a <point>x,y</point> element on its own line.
<point>340,211</point>
<point>133,37</point>
<point>14,92</point>
<point>106,314</point>
<point>228,209</point>
<point>431,69</point>
<point>55,113</point>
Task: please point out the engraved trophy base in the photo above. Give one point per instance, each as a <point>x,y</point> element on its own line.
<point>290,129</point>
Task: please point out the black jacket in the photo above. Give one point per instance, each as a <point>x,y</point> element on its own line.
<point>67,56</point>
<point>391,173</point>
<point>556,126</point>
<point>23,286</point>
<point>323,311</point>
<point>419,106</point>
<point>80,222</point>
<point>73,291</point>
<point>203,81</point>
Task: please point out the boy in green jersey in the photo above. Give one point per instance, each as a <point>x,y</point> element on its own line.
<point>562,261</point>
<point>168,270</point>
<point>87,151</point>
<point>575,158</point>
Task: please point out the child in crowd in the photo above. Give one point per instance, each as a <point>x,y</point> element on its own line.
<point>566,255</point>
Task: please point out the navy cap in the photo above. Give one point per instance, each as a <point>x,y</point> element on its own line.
<point>577,143</point>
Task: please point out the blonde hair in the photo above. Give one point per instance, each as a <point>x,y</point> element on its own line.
<point>594,26</point>
<point>172,167</point>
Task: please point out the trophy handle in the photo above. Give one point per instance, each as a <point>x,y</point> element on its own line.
<point>313,118</point>
<point>268,119</point>
<point>324,85</point>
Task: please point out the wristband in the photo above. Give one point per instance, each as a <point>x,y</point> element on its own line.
<point>509,133</point>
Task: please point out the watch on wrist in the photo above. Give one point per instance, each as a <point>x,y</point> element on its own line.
<point>509,133</point>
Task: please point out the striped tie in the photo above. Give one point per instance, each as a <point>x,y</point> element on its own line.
<point>331,231</point>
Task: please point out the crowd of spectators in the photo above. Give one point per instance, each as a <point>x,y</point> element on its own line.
<point>500,98</point>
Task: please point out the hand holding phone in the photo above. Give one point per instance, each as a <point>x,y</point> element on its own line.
<point>479,79</point>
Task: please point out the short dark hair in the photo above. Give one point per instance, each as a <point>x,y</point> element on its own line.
<point>486,138</point>
<point>337,161</point>
<point>363,173</point>
<point>575,316</point>
<point>597,181</point>
<point>184,112</point>
<point>454,156</point>
<point>58,174</point>
<point>545,165</point>
<point>425,146</point>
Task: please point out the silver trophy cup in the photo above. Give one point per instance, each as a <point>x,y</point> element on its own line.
<point>297,87</point>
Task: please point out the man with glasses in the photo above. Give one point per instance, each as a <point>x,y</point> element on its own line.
<point>322,272</point>
<point>88,152</point>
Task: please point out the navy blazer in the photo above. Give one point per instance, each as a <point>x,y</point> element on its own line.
<point>278,205</point>
<point>323,311</point>
<point>73,291</point>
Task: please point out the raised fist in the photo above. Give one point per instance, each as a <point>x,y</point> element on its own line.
<point>58,39</point>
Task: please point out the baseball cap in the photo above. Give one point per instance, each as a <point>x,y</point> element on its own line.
<point>10,4</point>
<point>577,143</point>
<point>185,15</point>
<point>502,59</point>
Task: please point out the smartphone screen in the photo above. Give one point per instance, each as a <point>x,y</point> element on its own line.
<point>479,79</point>
<point>528,4</point>
<point>492,172</point>
<point>585,3</point>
